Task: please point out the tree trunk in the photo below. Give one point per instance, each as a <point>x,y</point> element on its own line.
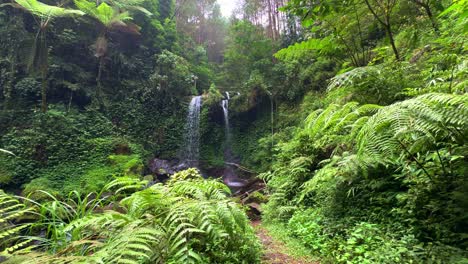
<point>427,8</point>
<point>44,68</point>
<point>385,22</point>
<point>392,41</point>
<point>70,101</point>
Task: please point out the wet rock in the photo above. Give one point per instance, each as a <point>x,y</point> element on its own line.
<point>254,211</point>
<point>161,167</point>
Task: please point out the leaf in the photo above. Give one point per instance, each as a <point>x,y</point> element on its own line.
<point>47,11</point>
<point>7,152</point>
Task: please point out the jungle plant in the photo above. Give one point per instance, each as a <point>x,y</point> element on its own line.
<point>382,10</point>
<point>375,157</point>
<point>192,220</point>
<point>43,15</point>
<point>11,209</point>
<point>414,126</point>
<point>109,18</point>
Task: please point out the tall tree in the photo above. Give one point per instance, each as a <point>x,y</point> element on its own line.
<point>266,13</point>
<point>215,34</point>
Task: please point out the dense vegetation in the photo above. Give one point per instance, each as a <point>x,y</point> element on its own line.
<point>354,113</point>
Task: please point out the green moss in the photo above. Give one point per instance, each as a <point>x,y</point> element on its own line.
<point>5,174</point>
<point>127,164</point>
<point>89,170</point>
<point>211,138</point>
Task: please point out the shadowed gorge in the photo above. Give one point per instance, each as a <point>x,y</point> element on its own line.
<point>250,131</point>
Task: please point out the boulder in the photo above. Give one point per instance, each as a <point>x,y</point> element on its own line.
<point>161,167</point>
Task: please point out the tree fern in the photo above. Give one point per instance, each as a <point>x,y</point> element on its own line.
<point>333,124</point>
<point>187,221</point>
<point>378,84</point>
<point>45,11</point>
<point>414,125</point>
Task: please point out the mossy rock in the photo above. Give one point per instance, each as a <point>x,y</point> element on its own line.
<point>148,178</point>
<point>257,197</point>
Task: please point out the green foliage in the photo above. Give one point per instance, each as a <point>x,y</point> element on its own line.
<point>364,242</point>
<point>45,11</point>
<point>414,126</point>
<point>107,15</point>
<point>356,182</point>
<point>191,220</point>
<point>189,174</point>
<point>213,96</point>
<point>380,84</point>
<point>357,168</point>
<point>211,134</point>
<point>242,71</point>
<point>12,211</point>
<point>299,50</point>
<point>43,159</point>
<point>172,75</point>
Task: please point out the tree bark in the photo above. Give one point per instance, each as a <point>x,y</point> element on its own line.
<point>427,9</point>
<point>386,24</point>
<point>392,42</point>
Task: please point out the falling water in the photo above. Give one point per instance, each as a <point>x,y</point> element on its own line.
<point>227,129</point>
<point>192,134</point>
<point>230,177</point>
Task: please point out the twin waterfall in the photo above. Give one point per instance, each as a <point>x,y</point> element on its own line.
<point>191,148</point>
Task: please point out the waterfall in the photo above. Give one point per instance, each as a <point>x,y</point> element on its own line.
<point>191,147</point>
<point>227,128</point>
<point>230,176</point>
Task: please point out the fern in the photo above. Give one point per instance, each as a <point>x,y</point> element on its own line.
<point>186,221</point>
<point>45,11</point>
<point>126,183</point>
<point>412,126</point>
<point>336,123</point>
<point>11,210</point>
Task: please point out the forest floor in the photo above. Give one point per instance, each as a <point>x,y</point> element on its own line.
<point>276,251</point>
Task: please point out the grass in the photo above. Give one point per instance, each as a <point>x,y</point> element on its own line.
<point>293,246</point>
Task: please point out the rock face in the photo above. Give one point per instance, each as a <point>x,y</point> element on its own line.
<point>161,167</point>
<point>165,168</point>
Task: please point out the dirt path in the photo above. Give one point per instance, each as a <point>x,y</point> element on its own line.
<point>275,252</point>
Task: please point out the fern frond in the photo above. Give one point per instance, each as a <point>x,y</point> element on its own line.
<point>413,123</point>
<point>11,210</point>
